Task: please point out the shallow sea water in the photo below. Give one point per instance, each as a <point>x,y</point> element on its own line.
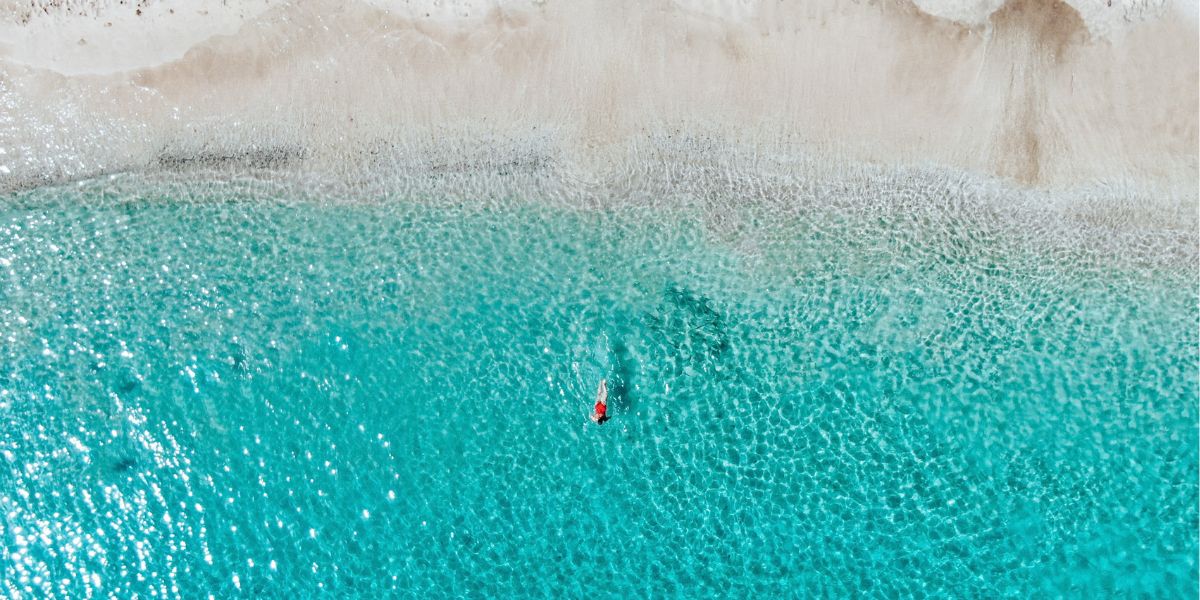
<point>234,394</point>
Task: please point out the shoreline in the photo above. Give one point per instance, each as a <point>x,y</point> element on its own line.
<point>730,191</point>
<point>650,161</point>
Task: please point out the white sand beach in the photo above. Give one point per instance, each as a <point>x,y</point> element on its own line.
<point>1038,93</point>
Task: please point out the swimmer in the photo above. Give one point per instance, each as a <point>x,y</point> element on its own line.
<point>600,412</point>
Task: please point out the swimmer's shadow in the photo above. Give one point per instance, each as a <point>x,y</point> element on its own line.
<point>618,390</point>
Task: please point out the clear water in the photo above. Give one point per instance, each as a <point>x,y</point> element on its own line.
<point>232,394</point>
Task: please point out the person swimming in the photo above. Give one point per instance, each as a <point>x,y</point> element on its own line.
<point>600,411</point>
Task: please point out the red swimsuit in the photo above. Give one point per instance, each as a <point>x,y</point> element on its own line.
<point>600,409</point>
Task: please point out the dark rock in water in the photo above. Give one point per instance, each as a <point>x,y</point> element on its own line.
<point>127,382</point>
<point>239,358</point>
<point>124,464</point>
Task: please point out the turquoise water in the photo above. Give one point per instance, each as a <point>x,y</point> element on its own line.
<point>222,392</point>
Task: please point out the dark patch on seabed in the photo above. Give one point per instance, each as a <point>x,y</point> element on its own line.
<point>254,158</point>
<point>124,464</point>
<point>691,327</point>
<point>685,330</point>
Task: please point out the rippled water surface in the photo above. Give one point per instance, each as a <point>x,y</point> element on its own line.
<point>230,393</point>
